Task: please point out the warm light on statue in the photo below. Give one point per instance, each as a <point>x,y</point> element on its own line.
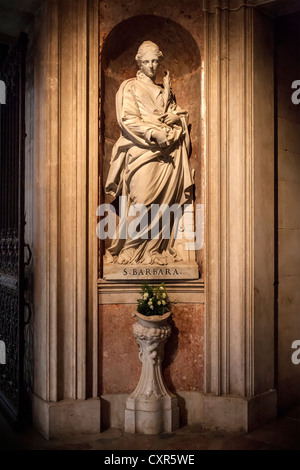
<point>149,161</point>
<point>150,168</point>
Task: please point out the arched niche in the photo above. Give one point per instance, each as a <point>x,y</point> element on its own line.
<point>181,58</point>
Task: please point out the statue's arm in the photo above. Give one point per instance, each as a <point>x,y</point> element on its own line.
<point>131,118</point>
<point>183,116</point>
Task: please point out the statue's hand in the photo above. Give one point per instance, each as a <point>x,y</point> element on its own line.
<point>166,80</point>
<point>160,137</point>
<point>170,119</point>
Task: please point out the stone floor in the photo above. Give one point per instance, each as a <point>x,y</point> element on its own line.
<point>283,434</point>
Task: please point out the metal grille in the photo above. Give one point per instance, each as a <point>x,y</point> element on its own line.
<point>12,139</point>
<point>9,383</point>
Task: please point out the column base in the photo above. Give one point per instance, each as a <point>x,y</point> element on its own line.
<point>151,416</point>
<point>66,417</point>
<point>230,413</point>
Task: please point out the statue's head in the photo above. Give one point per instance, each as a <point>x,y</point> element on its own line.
<point>148,58</point>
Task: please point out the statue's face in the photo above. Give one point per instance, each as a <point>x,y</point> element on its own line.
<point>149,64</point>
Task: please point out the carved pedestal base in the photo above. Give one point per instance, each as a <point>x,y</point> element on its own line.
<point>151,408</point>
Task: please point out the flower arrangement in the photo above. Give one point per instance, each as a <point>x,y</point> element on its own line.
<point>154,301</point>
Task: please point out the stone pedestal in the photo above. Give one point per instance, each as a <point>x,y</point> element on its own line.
<point>151,408</point>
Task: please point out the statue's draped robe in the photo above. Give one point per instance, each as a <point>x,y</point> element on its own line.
<point>146,173</point>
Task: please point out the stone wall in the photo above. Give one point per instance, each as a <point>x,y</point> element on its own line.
<point>288,125</point>
<point>220,359</point>
<point>64,173</point>
<point>184,351</point>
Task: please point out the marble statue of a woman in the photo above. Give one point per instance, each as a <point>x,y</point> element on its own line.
<point>149,163</point>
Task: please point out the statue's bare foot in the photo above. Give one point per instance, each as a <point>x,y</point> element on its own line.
<point>109,258</point>
<point>161,261</point>
<point>126,256</point>
<point>147,259</point>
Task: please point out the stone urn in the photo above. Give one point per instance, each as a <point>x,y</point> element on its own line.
<point>151,408</point>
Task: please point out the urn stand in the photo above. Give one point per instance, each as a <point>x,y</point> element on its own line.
<point>151,408</point>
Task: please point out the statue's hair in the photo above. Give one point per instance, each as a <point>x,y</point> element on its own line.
<point>146,46</point>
